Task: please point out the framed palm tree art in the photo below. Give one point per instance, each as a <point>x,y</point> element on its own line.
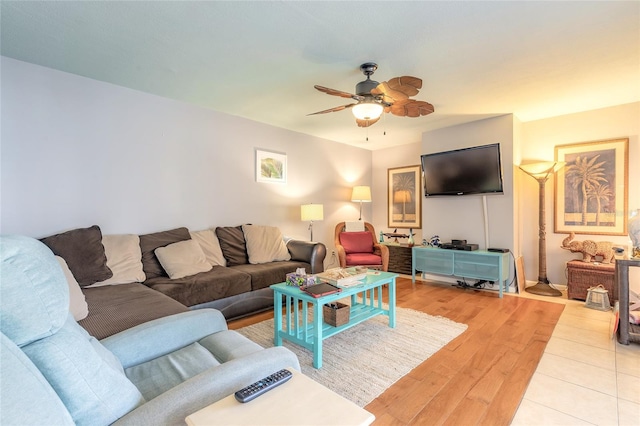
<point>404,197</point>
<point>591,190</point>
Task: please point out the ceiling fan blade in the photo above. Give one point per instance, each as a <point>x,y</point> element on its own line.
<point>366,123</point>
<point>398,88</point>
<point>335,92</point>
<point>411,108</point>
<point>334,109</point>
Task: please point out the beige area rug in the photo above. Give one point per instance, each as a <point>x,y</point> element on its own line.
<point>362,362</point>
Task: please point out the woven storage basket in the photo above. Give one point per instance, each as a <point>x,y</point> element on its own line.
<point>582,275</point>
<point>336,316</point>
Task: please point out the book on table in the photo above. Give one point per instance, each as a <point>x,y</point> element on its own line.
<point>343,277</point>
<point>320,289</point>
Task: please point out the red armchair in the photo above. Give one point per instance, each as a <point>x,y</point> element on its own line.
<point>360,248</point>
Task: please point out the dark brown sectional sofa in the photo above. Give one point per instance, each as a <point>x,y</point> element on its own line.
<point>237,288</point>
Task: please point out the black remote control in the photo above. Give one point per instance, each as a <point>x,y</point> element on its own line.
<point>256,389</point>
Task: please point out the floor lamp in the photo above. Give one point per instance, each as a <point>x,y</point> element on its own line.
<point>311,212</point>
<point>541,172</point>
<point>361,194</point>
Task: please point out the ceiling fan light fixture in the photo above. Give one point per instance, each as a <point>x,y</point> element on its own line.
<point>367,111</point>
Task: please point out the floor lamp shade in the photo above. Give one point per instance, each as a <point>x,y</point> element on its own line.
<point>311,212</point>
<point>361,194</point>
<point>541,172</point>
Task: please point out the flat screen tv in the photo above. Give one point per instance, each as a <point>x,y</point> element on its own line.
<point>475,170</point>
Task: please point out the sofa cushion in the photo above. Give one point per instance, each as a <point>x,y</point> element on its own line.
<point>218,283</point>
<point>124,258</point>
<point>158,375</point>
<point>88,379</point>
<point>265,274</point>
<point>35,294</point>
<point>264,244</point>
<point>355,259</point>
<point>233,244</point>
<point>150,242</point>
<point>77,303</point>
<point>27,397</point>
<point>210,246</point>
<point>182,259</point>
<point>83,251</point>
<point>356,242</point>
<point>114,308</point>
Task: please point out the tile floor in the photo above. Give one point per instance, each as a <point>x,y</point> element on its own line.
<point>585,377</point>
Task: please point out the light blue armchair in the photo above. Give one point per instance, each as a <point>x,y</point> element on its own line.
<point>52,372</point>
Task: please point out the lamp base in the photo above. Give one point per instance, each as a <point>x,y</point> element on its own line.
<point>543,289</point>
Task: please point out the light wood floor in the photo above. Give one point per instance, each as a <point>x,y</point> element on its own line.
<point>478,378</point>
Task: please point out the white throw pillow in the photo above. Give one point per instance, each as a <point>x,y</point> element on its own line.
<point>77,303</point>
<point>210,245</point>
<point>354,226</point>
<point>265,244</point>
<point>124,258</point>
<point>182,259</point>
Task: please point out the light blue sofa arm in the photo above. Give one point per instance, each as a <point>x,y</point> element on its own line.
<point>171,407</point>
<point>159,337</point>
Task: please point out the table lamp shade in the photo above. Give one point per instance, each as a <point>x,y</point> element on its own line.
<point>311,212</point>
<point>361,194</point>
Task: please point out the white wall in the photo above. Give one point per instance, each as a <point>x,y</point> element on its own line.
<point>541,137</point>
<point>77,152</point>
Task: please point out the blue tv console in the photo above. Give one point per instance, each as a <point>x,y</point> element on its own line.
<point>478,264</point>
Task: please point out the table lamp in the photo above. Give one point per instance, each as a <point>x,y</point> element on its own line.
<point>361,194</point>
<point>311,212</point>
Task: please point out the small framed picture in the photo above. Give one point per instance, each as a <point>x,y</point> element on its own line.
<point>404,197</point>
<point>271,167</point>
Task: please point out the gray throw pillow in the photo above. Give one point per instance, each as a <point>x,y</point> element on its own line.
<point>83,251</point>
<point>150,242</point>
<point>233,245</point>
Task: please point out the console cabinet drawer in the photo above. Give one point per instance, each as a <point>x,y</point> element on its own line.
<point>436,262</point>
<point>477,266</point>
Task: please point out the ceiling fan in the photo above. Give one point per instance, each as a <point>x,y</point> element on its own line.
<point>375,98</point>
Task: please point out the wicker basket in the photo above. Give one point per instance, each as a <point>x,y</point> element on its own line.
<point>336,314</point>
<point>583,275</point>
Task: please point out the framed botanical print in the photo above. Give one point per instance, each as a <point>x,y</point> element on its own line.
<point>271,167</point>
<point>591,189</point>
<point>404,201</point>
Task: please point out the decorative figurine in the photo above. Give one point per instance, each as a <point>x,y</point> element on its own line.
<point>434,241</point>
<point>589,248</point>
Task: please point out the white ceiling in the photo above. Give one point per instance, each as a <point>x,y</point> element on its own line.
<point>260,60</point>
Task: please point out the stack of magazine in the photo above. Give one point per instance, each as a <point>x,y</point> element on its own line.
<point>343,277</point>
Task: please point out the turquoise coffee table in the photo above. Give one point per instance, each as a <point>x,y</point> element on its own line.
<point>366,302</point>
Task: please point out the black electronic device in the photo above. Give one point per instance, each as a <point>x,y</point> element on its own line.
<point>475,170</point>
<point>498,250</point>
<point>256,389</point>
<point>458,242</point>
<point>465,247</point>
